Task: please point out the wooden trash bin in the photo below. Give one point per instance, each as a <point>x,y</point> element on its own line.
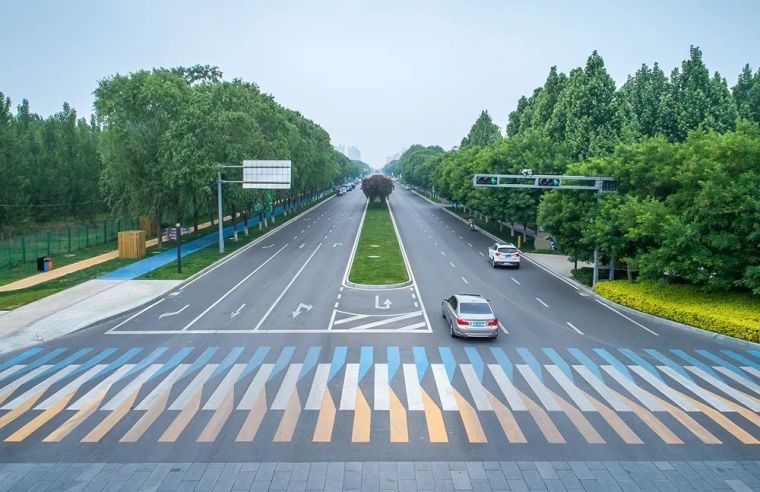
<point>147,224</point>
<point>131,244</point>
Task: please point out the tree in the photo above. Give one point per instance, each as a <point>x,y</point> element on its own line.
<point>484,132</point>
<point>746,94</point>
<point>377,187</point>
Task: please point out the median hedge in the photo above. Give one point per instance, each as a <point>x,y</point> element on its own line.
<point>736,314</point>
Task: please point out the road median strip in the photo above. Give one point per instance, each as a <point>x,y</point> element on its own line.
<point>378,259</point>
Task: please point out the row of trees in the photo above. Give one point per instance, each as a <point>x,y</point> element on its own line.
<point>48,166</point>
<point>153,146</point>
<point>685,149</point>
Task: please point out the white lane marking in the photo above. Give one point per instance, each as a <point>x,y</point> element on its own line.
<point>267,247</point>
<point>184,398</point>
<point>167,314</point>
<point>460,237</point>
<point>572,391</point>
<point>481,253</point>
<point>40,387</point>
<point>87,397</point>
<point>416,304</point>
<point>119,398</point>
<point>212,306</point>
<point>503,328</point>
<point>542,302</point>
<point>341,288</point>
<point>739,396</point>
<point>626,317</point>
<point>350,384</point>
<point>633,389</point>
<point>475,387</point>
<point>663,388</point>
<point>336,304</point>
<point>285,290</point>
<point>469,244</point>
<point>574,327</point>
<point>256,386</point>
<point>164,385</point>
<point>697,390</point>
<point>70,387</point>
<point>138,313</point>
<point>352,318</point>
<point>445,391</point>
<point>414,296</point>
<point>464,280</point>
<point>743,381</point>
<point>385,321</point>
<point>382,397</point>
<point>421,324</point>
<point>340,295</point>
<point>412,384</point>
<point>434,243</point>
<point>225,387</point>
<point>452,265</point>
<point>602,388</point>
<point>507,388</point>
<point>287,387</point>
<point>538,388</point>
<point>444,254</point>
<point>514,280</point>
<point>316,394</point>
<point>430,237</point>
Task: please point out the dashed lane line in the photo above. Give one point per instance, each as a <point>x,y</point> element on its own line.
<point>574,327</point>
<point>542,302</point>
<point>515,280</point>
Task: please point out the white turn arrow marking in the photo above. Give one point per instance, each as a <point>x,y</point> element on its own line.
<point>386,304</point>
<point>235,313</point>
<point>337,244</point>
<point>174,313</point>
<point>306,307</point>
<point>267,247</point>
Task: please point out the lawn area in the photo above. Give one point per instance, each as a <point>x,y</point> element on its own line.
<point>17,298</point>
<point>736,314</point>
<point>378,259</point>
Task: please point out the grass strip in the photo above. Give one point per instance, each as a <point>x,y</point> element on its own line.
<point>190,264</point>
<point>736,314</point>
<point>378,259</point>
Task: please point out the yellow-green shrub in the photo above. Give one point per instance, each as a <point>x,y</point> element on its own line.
<point>735,314</point>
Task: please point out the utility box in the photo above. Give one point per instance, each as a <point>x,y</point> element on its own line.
<point>542,241</point>
<point>44,264</point>
<point>132,244</point>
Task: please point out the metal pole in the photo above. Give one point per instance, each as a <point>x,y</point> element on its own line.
<point>219,204</point>
<point>178,232</point>
<point>596,267</point>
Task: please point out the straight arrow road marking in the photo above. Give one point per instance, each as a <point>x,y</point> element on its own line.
<point>235,313</point>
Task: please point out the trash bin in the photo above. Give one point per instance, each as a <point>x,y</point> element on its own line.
<point>44,264</point>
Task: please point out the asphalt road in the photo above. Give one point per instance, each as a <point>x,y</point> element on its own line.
<point>272,355</point>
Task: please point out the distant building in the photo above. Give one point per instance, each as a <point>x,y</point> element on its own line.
<point>353,153</point>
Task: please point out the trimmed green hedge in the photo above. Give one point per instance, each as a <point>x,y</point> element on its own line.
<point>736,314</point>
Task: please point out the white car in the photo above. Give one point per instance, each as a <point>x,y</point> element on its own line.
<point>504,254</point>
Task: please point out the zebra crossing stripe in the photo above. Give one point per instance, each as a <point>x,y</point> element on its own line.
<point>595,381</point>
<point>287,387</point>
<point>318,385</point>
<point>413,389</point>
<point>443,385</point>
<point>195,385</point>
<point>541,391</point>
<point>14,385</point>
<point>666,390</point>
<point>350,384</point>
<point>382,394</point>
<point>744,382</point>
<point>36,392</point>
<point>69,388</point>
<point>476,388</point>
<point>743,398</point>
<point>255,388</point>
<point>571,389</point>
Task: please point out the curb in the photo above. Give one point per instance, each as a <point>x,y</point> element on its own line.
<point>579,286</point>
<point>378,287</point>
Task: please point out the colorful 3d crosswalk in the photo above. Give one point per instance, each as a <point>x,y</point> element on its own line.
<point>479,394</point>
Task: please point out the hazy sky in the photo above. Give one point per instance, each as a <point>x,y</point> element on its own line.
<point>380,75</point>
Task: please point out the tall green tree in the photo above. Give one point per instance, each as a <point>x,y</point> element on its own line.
<point>746,94</point>
<point>483,132</point>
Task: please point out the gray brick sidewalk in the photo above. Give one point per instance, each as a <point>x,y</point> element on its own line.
<point>384,476</point>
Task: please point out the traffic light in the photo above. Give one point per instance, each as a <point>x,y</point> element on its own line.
<point>548,181</point>
<point>487,180</point>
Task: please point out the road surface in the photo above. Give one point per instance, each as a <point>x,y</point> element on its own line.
<point>271,356</point>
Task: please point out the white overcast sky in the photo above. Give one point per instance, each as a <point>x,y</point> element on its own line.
<point>379,75</point>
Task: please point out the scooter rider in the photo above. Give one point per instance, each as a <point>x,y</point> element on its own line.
<point>470,224</point>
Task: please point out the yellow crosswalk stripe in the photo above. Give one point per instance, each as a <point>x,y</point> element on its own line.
<point>253,421</point>
<point>289,419</point>
<point>326,419</point>
<point>362,419</point>
<point>434,419</point>
<point>397,416</point>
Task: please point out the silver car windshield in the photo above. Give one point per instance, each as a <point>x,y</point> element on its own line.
<point>475,308</point>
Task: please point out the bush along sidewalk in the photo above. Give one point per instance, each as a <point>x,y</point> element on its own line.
<point>736,314</point>
<point>378,259</point>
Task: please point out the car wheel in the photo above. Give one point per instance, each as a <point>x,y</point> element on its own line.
<point>493,264</point>
<point>517,267</point>
<point>451,332</point>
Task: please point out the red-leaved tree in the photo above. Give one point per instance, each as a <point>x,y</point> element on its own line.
<point>377,187</point>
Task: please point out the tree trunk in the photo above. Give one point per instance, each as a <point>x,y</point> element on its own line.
<point>629,271</point>
<point>575,261</point>
<point>158,229</point>
<point>245,222</point>
<point>195,222</point>
<point>234,223</point>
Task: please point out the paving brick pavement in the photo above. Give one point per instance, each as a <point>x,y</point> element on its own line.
<point>383,476</point>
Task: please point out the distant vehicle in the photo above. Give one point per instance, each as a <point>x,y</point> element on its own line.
<point>503,254</point>
<point>340,191</point>
<point>470,315</point>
